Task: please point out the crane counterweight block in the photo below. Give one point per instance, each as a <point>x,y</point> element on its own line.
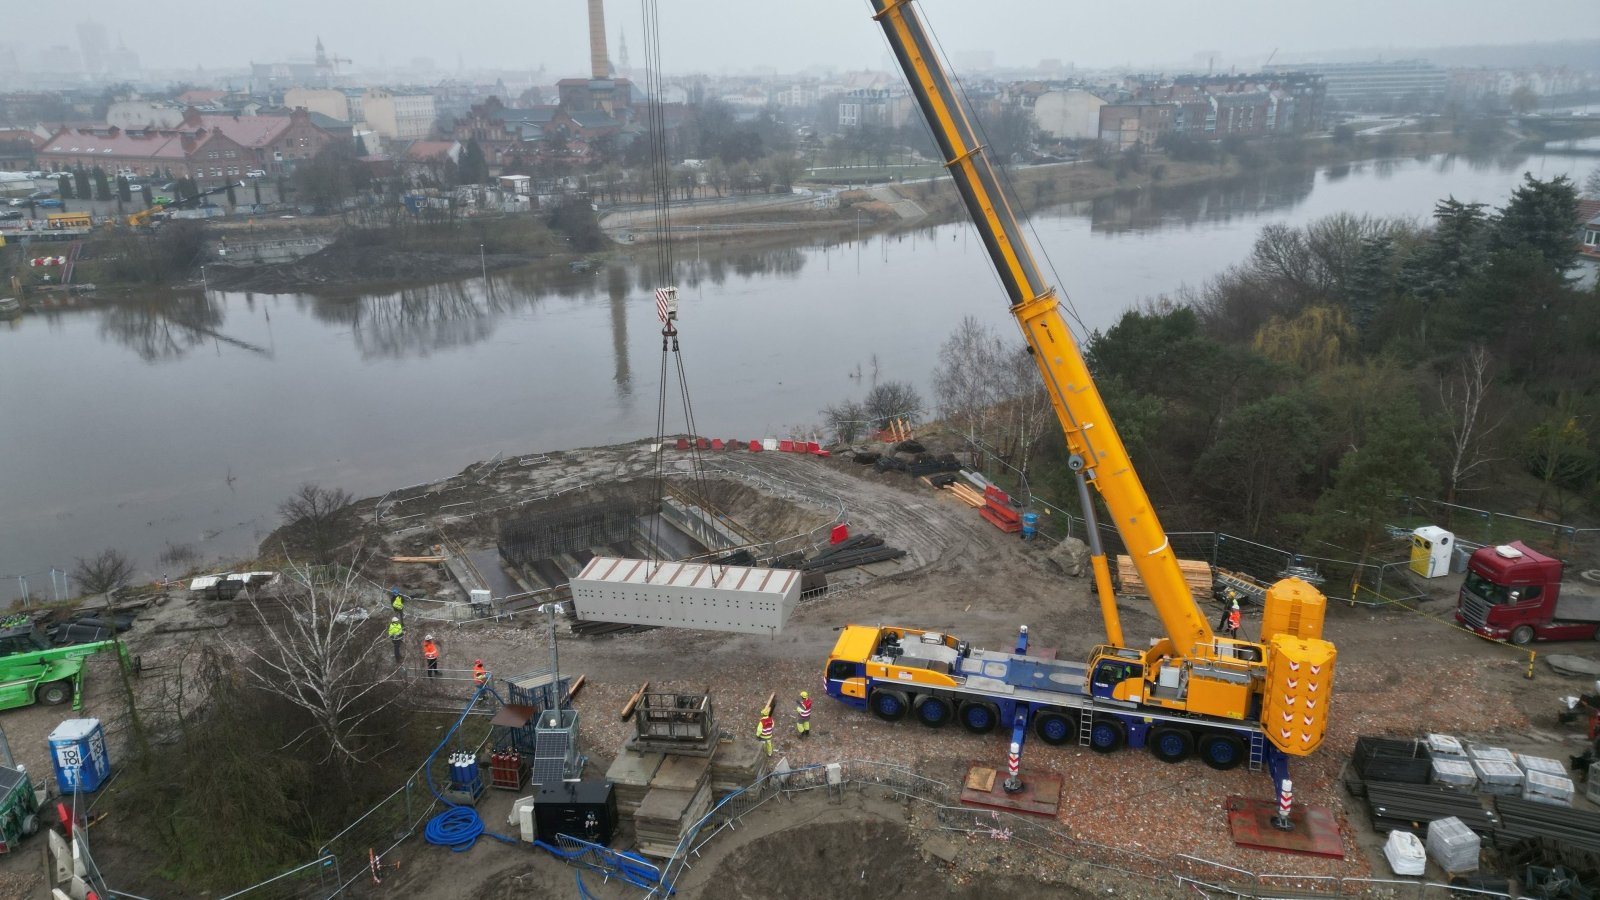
<point>1294,705</point>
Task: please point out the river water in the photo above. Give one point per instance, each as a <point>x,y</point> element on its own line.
<point>186,418</point>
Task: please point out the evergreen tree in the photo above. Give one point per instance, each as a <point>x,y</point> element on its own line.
<point>124,192</point>
<point>102,184</point>
<point>1540,216</point>
<point>82,185</point>
<point>474,169</point>
<point>64,180</point>
<point>147,195</point>
<point>1390,462</point>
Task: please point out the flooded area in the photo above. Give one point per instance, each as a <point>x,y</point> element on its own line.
<point>186,418</point>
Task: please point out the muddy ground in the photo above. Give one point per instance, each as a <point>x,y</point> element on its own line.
<point>1399,673</point>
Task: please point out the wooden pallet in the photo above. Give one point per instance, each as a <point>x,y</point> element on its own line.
<point>1196,573</point>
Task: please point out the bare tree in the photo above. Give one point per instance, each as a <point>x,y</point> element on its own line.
<point>317,651</point>
<point>317,518</point>
<point>966,383</point>
<point>846,420</point>
<point>1027,407</point>
<point>892,400</point>
<point>104,573</point>
<point>1462,395</point>
<point>1591,184</point>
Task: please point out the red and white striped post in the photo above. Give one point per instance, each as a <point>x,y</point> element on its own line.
<point>1013,782</point>
<point>1285,803</point>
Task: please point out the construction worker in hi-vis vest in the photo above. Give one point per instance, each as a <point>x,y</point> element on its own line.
<point>398,603</point>
<point>397,636</point>
<point>764,729</point>
<point>803,709</point>
<point>480,675</point>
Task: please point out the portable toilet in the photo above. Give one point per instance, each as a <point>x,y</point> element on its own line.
<point>1431,547</point>
<point>78,753</point>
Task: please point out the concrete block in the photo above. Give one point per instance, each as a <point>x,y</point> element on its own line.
<point>686,595</point>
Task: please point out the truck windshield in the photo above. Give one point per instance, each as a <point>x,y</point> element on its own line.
<point>1481,587</point>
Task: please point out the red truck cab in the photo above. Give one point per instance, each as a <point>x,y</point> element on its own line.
<point>1513,592</point>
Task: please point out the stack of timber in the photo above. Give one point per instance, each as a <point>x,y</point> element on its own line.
<point>631,774</point>
<point>736,765</point>
<point>679,796</point>
<point>857,550</point>
<point>1196,574</point>
<point>997,510</point>
<point>965,494</point>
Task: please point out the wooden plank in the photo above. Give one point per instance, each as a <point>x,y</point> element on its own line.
<point>771,699</point>
<point>627,711</point>
<point>1196,574</point>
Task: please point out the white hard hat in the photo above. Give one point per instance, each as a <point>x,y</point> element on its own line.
<point>427,637</point>
<point>394,618</point>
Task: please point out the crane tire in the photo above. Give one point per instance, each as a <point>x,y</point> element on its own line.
<point>932,711</point>
<point>1055,728</point>
<point>1221,751</point>
<point>1107,735</point>
<point>1171,745</point>
<point>978,716</point>
<point>889,706</point>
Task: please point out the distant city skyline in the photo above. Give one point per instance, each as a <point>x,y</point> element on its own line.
<point>723,37</point>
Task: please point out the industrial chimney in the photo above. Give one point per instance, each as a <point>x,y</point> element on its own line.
<point>599,65</point>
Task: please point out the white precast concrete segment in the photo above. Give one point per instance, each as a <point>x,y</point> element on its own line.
<point>686,595</point>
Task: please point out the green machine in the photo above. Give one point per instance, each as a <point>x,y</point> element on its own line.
<point>19,808</point>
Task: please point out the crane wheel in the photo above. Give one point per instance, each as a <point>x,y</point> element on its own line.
<point>933,712</point>
<point>1221,751</point>
<point>889,706</point>
<point>1171,745</point>
<point>1054,728</point>
<point>978,717</point>
<point>1107,736</point>
<point>54,693</point>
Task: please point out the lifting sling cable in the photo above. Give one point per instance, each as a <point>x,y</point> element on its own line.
<point>666,297</point>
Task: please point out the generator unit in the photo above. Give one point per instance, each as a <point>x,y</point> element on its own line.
<point>580,809</point>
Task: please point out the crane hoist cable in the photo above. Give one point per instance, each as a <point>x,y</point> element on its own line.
<point>666,296</point>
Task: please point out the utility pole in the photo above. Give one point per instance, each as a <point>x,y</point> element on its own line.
<point>484,262</point>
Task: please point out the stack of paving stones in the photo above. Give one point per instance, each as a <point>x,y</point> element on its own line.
<point>1498,772</point>
<point>1545,781</point>
<point>679,796</point>
<point>630,775</point>
<point>1453,845</point>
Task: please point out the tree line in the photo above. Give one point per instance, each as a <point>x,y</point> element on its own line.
<point>1344,365</point>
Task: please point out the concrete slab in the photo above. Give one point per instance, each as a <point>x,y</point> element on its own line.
<point>1316,831</point>
<point>686,595</point>
<point>1040,794</point>
<point>682,773</point>
<point>634,768</point>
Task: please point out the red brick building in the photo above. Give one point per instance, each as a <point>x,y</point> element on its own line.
<point>207,148</point>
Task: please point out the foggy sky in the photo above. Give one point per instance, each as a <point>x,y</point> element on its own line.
<point>729,36</point>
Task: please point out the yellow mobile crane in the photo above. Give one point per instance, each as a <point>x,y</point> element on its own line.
<point>146,217</point>
<point>1190,690</point>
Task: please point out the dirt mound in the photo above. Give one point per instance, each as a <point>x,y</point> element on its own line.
<point>872,858</point>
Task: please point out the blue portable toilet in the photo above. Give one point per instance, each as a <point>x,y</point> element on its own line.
<point>78,753</point>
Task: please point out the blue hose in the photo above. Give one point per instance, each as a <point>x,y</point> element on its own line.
<point>458,827</point>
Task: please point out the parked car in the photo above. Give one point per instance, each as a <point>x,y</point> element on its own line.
<point>256,173</point>
<point>136,188</point>
<point>162,199</point>
<point>11,213</point>
<point>170,186</point>
<point>49,203</point>
<point>17,201</point>
<point>40,195</point>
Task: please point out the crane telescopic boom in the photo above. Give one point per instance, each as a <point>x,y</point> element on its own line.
<point>1097,451</point>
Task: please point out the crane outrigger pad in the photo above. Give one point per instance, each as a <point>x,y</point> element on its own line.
<point>686,595</point>
<point>1040,794</point>
<point>1316,831</point>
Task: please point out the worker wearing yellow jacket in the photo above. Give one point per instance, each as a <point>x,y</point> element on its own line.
<point>764,729</point>
<point>802,710</point>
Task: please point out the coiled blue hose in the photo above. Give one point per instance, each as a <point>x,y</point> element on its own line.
<point>458,827</point>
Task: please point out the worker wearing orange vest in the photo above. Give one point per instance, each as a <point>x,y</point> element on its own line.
<point>764,729</point>
<point>430,652</point>
<point>480,676</point>
<point>803,710</point>
<point>1234,617</point>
